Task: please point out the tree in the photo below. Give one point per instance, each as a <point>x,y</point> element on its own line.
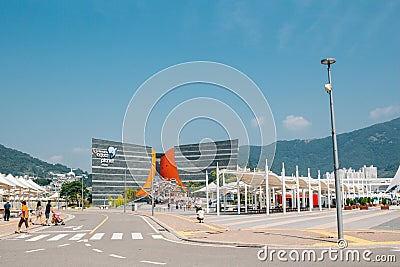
<point>130,194</point>
<point>74,189</point>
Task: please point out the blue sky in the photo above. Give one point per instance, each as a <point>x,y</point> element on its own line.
<point>70,68</point>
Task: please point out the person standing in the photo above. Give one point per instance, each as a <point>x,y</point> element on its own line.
<point>24,218</point>
<point>198,204</point>
<point>38,212</point>
<point>47,212</point>
<point>7,208</point>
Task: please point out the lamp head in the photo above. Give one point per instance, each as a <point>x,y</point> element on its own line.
<point>328,87</point>
<point>328,61</point>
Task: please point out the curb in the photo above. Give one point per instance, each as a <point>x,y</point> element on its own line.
<point>221,243</point>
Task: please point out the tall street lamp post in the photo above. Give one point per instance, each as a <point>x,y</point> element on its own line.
<point>82,192</point>
<point>328,88</point>
<point>125,191</point>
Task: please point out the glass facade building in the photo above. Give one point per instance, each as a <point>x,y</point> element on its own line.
<point>193,160</point>
<point>117,165</point>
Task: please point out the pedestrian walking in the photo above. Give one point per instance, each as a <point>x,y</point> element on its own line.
<point>198,203</point>
<point>24,218</point>
<point>47,212</point>
<point>39,213</point>
<point>7,208</point>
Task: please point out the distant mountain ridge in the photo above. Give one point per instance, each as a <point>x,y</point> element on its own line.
<point>377,145</point>
<point>18,163</point>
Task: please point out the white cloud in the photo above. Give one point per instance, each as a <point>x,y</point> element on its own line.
<point>55,159</point>
<point>258,121</point>
<point>384,113</point>
<point>285,35</point>
<point>295,123</point>
<point>80,150</point>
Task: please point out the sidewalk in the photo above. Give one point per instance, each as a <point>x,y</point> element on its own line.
<point>186,227</point>
<point>8,228</point>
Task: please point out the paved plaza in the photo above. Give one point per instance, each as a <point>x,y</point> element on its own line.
<point>373,227</point>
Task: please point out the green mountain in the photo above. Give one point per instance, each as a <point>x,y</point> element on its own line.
<point>19,163</point>
<point>377,145</point>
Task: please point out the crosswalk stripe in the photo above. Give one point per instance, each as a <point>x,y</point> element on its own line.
<point>116,236</point>
<point>77,237</point>
<point>23,236</point>
<point>57,237</point>
<point>97,236</point>
<point>36,238</point>
<point>137,236</point>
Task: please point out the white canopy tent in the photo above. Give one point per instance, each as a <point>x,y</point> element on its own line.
<point>395,184</point>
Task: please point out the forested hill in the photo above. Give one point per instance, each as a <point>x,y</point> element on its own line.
<point>377,145</point>
<point>19,163</point>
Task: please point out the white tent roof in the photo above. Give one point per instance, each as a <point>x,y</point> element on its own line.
<point>395,182</point>
<point>4,183</point>
<point>212,187</point>
<point>54,196</point>
<point>25,183</point>
<point>35,185</point>
<point>14,181</point>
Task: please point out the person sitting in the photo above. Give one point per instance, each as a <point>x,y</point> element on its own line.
<point>200,215</point>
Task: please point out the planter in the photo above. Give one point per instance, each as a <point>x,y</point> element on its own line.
<point>384,207</point>
<point>348,207</point>
<point>364,207</point>
<point>353,207</point>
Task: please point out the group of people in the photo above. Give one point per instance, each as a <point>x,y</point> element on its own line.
<point>24,215</point>
<point>26,219</point>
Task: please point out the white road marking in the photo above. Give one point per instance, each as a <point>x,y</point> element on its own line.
<point>116,236</point>
<point>151,226</point>
<point>117,256</point>
<point>396,250</point>
<point>97,236</point>
<point>77,228</point>
<point>57,237</point>
<point>36,238</point>
<point>157,236</point>
<point>88,245</point>
<point>22,236</point>
<point>63,245</point>
<point>77,237</point>
<point>137,236</point>
<point>97,250</point>
<point>154,262</point>
<point>53,232</point>
<point>34,250</point>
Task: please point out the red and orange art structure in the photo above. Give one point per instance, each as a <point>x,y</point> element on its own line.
<point>167,170</point>
<point>143,192</point>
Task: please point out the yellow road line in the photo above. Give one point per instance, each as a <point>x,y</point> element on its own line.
<point>100,224</point>
<point>353,239</point>
<point>194,221</point>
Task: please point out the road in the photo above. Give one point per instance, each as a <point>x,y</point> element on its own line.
<point>115,239</point>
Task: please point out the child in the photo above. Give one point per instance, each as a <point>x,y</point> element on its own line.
<point>57,219</point>
<point>200,215</point>
<point>31,218</point>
